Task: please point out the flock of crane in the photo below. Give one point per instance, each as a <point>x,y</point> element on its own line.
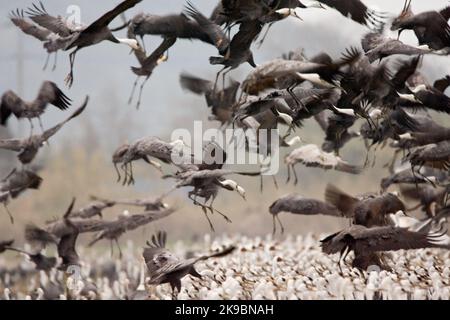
<point>393,104</point>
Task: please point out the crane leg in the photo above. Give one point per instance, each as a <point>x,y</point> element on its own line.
<point>224,75</point>
<point>260,43</point>
<point>41,125</point>
<point>133,90</point>
<point>118,247</point>
<point>31,126</point>
<point>143,43</point>
<point>112,247</point>
<point>140,92</point>
<point>69,78</point>
<point>295,175</point>
<point>55,61</point>
<point>46,62</point>
<point>217,78</point>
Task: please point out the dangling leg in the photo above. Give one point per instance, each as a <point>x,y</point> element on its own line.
<point>40,124</point>
<point>143,42</point>
<point>69,78</point>
<point>46,62</point>
<point>275,182</point>
<point>224,75</point>
<point>118,247</point>
<point>217,78</point>
<point>295,175</point>
<point>260,43</point>
<point>31,126</point>
<point>133,90</point>
<point>207,218</point>
<point>289,173</point>
<point>140,92</point>
<point>55,61</point>
<point>112,248</point>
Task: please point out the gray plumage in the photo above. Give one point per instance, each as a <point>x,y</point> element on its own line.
<point>29,147</point>
<point>165,267</point>
<point>49,93</point>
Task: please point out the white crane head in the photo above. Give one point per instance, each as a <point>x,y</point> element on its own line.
<point>315,78</point>
<point>288,12</point>
<point>408,97</point>
<point>234,186</point>
<point>132,43</point>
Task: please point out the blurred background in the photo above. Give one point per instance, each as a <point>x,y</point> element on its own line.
<point>78,161</point>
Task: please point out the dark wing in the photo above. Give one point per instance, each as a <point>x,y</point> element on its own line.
<point>27,27</point>
<point>33,234</point>
<point>298,205</point>
<point>47,134</point>
<point>393,239</point>
<point>57,25</point>
<point>344,202</point>
<point>214,31</point>
<point>50,93</point>
<point>11,104</point>
<point>12,144</point>
<point>156,55</point>
<point>154,252</point>
<point>248,31</point>
<point>357,11</point>
<point>404,72</point>
<point>445,13</point>
<point>108,17</point>
<point>194,84</point>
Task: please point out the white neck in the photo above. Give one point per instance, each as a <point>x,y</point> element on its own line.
<point>316,79</point>
<point>129,42</point>
<point>349,112</point>
<point>229,183</point>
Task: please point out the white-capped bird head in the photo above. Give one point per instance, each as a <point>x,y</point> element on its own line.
<point>288,12</point>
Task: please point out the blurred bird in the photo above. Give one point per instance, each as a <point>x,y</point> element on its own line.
<point>165,267</point>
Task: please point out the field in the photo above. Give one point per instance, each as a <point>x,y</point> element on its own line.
<point>260,268</point>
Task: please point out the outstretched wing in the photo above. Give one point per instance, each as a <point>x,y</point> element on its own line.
<point>152,60</point>
<point>393,239</point>
<point>344,202</point>
<point>195,85</point>
<point>12,144</point>
<point>50,93</point>
<point>156,256</point>
<point>27,27</point>
<point>52,131</point>
<point>11,104</point>
<point>57,25</point>
<point>214,31</point>
<point>357,11</point>
<point>108,17</point>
